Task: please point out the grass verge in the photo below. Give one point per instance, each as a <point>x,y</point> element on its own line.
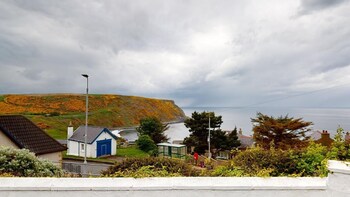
<point>131,151</point>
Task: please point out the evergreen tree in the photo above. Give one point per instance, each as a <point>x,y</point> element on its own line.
<point>154,128</point>
<point>232,140</point>
<point>282,132</point>
<point>198,126</point>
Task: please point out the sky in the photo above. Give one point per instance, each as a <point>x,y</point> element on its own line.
<point>196,52</point>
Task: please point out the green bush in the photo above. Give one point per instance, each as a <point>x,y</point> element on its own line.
<point>145,171</point>
<point>21,162</point>
<point>312,161</point>
<point>146,144</point>
<point>132,166</point>
<point>273,162</point>
<point>227,171</point>
<point>339,150</point>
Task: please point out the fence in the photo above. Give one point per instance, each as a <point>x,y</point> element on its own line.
<point>89,169</point>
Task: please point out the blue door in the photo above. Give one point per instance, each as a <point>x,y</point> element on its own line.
<point>104,147</point>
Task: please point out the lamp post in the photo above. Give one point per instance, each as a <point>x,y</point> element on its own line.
<point>86,116</point>
<point>209,153</point>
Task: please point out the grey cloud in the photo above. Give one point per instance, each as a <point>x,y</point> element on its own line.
<point>198,53</point>
<point>309,6</point>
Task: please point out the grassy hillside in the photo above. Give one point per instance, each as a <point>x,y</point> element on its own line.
<point>53,112</point>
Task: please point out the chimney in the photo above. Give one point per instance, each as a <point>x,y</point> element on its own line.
<point>69,130</point>
<point>325,139</point>
<point>240,131</point>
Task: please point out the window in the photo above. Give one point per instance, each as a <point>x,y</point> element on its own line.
<point>82,147</point>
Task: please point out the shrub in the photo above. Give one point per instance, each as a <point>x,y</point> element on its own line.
<point>227,171</point>
<point>133,165</point>
<point>339,149</point>
<point>21,162</point>
<point>272,162</point>
<point>313,161</point>
<point>146,171</point>
<point>146,144</point>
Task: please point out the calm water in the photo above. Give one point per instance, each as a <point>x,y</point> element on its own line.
<point>323,118</point>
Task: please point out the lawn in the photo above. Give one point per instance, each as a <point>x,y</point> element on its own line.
<point>131,151</point>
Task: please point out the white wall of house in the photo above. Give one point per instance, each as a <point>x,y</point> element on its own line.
<point>5,141</point>
<point>105,136</point>
<point>55,157</point>
<point>74,148</point>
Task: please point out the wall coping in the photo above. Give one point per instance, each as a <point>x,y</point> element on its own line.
<point>168,183</point>
<point>342,167</point>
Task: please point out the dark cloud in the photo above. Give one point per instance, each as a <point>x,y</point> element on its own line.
<point>309,6</point>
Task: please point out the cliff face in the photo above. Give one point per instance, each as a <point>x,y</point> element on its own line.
<point>53,112</point>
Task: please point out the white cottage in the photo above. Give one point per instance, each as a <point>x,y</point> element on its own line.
<point>100,141</point>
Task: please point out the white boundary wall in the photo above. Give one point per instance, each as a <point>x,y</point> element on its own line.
<point>336,184</point>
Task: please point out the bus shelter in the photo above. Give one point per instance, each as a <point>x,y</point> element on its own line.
<point>172,150</point>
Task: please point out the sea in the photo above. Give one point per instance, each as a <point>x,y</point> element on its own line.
<point>322,118</point>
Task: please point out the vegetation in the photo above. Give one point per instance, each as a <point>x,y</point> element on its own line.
<point>260,162</point>
<point>154,128</point>
<point>146,144</point>
<point>340,149</point>
<point>131,151</point>
<point>232,140</point>
<point>198,126</point>
<point>22,163</point>
<point>151,166</point>
<point>101,160</point>
<point>282,132</point>
<point>53,112</point>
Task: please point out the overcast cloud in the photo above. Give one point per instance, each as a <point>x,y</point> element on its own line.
<point>198,53</point>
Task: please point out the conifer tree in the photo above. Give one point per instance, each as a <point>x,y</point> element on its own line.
<point>154,128</point>
<point>232,140</point>
<point>282,132</point>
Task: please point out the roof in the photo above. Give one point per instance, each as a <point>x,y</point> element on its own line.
<point>246,141</point>
<point>92,134</point>
<point>25,134</point>
<point>171,145</point>
<point>315,135</point>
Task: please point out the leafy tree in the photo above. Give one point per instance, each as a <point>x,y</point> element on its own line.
<point>339,149</point>
<point>154,128</point>
<point>145,143</point>
<point>198,126</point>
<point>282,132</point>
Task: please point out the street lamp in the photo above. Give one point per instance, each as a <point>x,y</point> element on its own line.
<point>209,153</point>
<point>86,115</point>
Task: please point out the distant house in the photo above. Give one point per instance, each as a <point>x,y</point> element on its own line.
<point>19,132</point>
<point>325,139</point>
<point>315,135</point>
<point>100,142</point>
<point>246,141</point>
